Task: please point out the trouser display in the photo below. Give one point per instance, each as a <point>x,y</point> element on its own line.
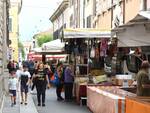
<point>59,90</point>
<point>68,91</point>
<point>41,89</point>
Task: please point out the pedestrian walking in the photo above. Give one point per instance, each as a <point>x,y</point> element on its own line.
<point>68,82</point>
<point>13,85</point>
<point>24,79</point>
<point>10,66</point>
<point>143,82</point>
<point>42,80</point>
<point>36,66</point>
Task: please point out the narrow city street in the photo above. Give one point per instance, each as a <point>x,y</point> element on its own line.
<point>53,106</point>
<point>96,51</point>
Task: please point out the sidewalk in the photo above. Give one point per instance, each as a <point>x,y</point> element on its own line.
<point>18,108</point>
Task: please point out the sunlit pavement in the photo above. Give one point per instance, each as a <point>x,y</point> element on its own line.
<point>53,106</point>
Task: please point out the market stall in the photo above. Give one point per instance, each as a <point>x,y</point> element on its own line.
<point>87,48</point>
<point>51,50</point>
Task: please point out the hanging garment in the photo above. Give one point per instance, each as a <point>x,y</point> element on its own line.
<point>103,47</point>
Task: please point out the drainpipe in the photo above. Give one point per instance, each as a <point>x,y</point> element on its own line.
<point>111,13</point>
<point>84,14</point>
<point>143,6</point>
<point>124,10</point>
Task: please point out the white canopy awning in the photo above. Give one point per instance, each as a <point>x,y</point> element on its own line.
<point>136,32</point>
<point>39,49</point>
<point>86,33</point>
<point>134,36</point>
<point>53,46</point>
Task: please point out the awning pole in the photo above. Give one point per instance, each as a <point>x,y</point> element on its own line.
<point>88,50</point>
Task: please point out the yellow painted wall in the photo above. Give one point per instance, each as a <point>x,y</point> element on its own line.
<point>132,9</point>
<point>104,21</point>
<point>14,35</point>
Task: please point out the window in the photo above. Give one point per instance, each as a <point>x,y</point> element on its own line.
<point>10,25</point>
<point>88,22</point>
<point>71,21</point>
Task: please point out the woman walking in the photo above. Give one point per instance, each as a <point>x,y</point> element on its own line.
<point>41,83</point>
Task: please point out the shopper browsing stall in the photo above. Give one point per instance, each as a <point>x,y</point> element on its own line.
<point>68,82</point>
<point>143,82</point>
<point>59,75</point>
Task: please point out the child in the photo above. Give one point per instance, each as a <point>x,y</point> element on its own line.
<point>13,82</point>
<point>24,78</point>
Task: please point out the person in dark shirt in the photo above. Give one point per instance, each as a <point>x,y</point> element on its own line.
<point>42,80</point>
<point>143,82</point>
<point>24,77</point>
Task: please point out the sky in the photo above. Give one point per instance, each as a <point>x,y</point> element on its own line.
<point>34,17</point>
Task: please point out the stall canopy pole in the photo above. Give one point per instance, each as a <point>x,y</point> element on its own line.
<point>43,58</point>
<point>88,50</point>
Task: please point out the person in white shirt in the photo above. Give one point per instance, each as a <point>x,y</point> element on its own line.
<point>13,85</point>
<point>18,72</point>
<point>24,78</point>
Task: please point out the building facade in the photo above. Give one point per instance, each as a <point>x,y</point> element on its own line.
<point>15,8</point>
<point>60,18</point>
<point>4,37</point>
<point>100,14</point>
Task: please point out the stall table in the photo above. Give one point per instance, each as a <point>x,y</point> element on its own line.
<point>138,105</point>
<point>107,99</point>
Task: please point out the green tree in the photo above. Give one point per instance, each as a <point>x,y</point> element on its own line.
<point>20,45</point>
<point>43,39</point>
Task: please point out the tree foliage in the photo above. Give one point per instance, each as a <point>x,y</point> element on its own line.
<point>43,39</point>
<point>20,45</point>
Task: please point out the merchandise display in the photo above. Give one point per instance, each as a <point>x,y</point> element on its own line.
<point>97,72</point>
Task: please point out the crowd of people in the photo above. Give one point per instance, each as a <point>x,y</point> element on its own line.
<point>40,75</point>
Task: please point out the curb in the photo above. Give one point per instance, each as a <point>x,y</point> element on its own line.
<point>2,103</point>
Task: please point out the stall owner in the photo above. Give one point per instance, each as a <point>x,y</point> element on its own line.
<point>143,82</point>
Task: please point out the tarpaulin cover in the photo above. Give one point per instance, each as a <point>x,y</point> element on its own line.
<point>136,106</point>
<point>53,46</point>
<point>105,100</point>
